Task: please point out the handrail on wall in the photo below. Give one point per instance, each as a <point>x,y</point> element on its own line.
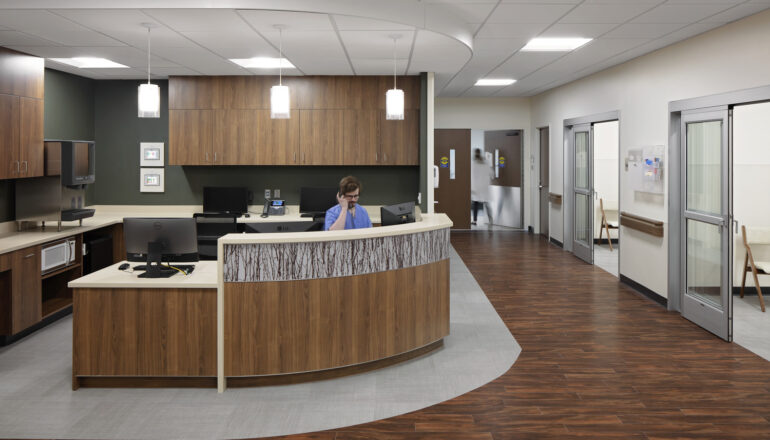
<point>642,224</point>
<point>554,198</point>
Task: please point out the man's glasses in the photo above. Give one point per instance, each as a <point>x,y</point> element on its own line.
<point>351,196</point>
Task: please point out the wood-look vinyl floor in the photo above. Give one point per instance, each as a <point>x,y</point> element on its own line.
<point>598,361</point>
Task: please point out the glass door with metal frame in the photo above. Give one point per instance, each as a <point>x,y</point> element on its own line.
<point>583,242</point>
<point>706,236</point>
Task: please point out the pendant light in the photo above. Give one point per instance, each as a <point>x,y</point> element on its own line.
<point>149,94</point>
<point>279,95</point>
<point>394,98</point>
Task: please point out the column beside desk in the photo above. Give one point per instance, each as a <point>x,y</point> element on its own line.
<point>316,304</point>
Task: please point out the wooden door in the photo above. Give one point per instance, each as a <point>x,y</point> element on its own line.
<point>25,288</point>
<point>31,138</point>
<point>361,137</point>
<point>544,180</point>
<point>400,140</point>
<point>320,137</point>
<point>190,137</point>
<point>453,195</point>
<point>9,137</point>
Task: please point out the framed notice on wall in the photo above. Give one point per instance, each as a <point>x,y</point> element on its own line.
<point>151,180</point>
<point>151,154</point>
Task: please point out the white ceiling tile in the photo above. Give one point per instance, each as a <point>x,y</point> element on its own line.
<point>504,30</point>
<point>348,23</point>
<point>80,38</point>
<point>16,38</point>
<point>437,53</point>
<point>376,44</point>
<point>294,21</point>
<point>643,30</point>
<point>36,21</point>
<point>606,13</point>
<point>737,12</point>
<point>166,71</point>
<point>680,13</point>
<point>198,20</point>
<point>582,30</point>
<point>470,12</point>
<point>593,53</point>
<point>200,60</point>
<point>378,67</point>
<point>528,13</point>
<point>495,49</point>
<point>329,66</point>
<point>93,74</point>
<point>121,73</point>
<point>523,64</point>
<point>566,2</point>
<point>325,46</point>
<point>246,44</point>
<point>481,92</point>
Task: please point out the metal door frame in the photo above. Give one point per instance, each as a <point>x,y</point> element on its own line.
<point>538,181</point>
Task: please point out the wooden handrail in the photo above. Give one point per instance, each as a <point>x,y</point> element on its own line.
<point>554,198</point>
<point>642,224</point>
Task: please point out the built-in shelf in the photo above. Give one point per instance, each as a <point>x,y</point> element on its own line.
<point>59,271</point>
<point>54,305</point>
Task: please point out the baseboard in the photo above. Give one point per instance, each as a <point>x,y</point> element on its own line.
<point>530,229</point>
<point>604,240</point>
<point>644,291</point>
<point>748,291</point>
<point>557,242</point>
<point>10,339</point>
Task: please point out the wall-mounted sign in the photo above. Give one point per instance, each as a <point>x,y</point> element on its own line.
<point>151,154</point>
<point>501,162</point>
<point>444,162</point>
<point>152,180</point>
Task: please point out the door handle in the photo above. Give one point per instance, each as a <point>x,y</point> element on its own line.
<point>540,187</point>
<point>735,226</point>
<point>435,202</point>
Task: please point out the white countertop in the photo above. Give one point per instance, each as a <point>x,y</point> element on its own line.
<point>203,277</point>
<point>429,222</point>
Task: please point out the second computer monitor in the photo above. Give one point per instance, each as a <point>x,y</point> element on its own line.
<point>316,200</point>
<point>397,214</point>
<point>225,200</point>
<point>176,237</point>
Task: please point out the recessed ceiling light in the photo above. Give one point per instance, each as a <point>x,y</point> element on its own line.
<point>89,63</point>
<point>263,63</point>
<point>495,82</point>
<point>554,44</point>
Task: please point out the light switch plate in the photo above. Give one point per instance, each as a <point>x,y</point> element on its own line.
<point>267,193</point>
<point>277,193</point>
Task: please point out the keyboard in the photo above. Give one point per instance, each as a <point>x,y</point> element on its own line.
<point>187,268</point>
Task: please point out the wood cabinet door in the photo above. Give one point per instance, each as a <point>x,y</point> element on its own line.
<point>320,137</point>
<point>9,137</point>
<point>190,137</point>
<point>25,288</point>
<point>21,74</point>
<point>279,144</point>
<point>400,140</point>
<point>235,137</point>
<point>361,137</point>
<point>31,137</point>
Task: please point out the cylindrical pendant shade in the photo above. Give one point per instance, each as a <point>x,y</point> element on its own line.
<point>149,101</point>
<point>394,104</point>
<point>279,102</point>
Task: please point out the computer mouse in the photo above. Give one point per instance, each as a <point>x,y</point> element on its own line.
<point>124,266</point>
<point>247,215</point>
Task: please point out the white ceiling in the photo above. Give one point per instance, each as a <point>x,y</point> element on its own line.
<point>460,40</point>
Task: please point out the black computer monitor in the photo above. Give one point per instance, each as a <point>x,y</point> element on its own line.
<point>160,239</point>
<point>225,200</point>
<point>316,201</point>
<point>397,214</point>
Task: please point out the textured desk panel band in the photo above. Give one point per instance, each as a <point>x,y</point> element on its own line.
<point>327,259</point>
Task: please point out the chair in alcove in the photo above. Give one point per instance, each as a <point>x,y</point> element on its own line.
<point>606,225</point>
<point>756,267</point>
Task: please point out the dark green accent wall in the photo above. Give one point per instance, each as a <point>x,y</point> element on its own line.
<point>118,132</point>
<point>69,114</point>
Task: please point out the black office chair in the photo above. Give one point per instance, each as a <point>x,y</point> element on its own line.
<point>210,228</point>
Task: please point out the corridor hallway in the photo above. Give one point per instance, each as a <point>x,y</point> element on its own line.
<point>598,361</point>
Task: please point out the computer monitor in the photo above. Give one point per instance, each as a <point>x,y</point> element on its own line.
<point>160,239</point>
<point>316,201</point>
<point>225,200</point>
<point>397,214</point>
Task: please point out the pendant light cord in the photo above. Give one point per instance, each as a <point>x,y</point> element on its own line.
<point>394,63</point>
<point>280,56</point>
<point>148,54</point>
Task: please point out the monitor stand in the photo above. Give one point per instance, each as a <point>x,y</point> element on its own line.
<point>154,257</point>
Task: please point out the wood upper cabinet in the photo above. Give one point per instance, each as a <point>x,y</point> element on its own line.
<point>251,137</point>
<point>361,137</point>
<point>26,298</point>
<point>190,137</point>
<point>320,137</point>
<point>21,74</point>
<point>31,146</point>
<point>10,164</point>
<point>193,93</point>
<point>400,140</point>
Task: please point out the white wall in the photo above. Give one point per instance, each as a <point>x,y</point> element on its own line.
<point>606,167</point>
<point>733,57</point>
<point>751,181</point>
<point>491,114</point>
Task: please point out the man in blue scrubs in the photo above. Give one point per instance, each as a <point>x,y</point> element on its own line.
<point>347,213</point>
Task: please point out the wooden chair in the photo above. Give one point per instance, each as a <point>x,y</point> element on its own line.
<point>606,225</point>
<point>757,268</point>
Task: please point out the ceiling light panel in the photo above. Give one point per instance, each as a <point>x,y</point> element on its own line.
<point>89,62</point>
<point>494,82</point>
<point>554,44</point>
<point>263,63</point>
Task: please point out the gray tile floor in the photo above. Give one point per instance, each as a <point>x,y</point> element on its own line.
<point>606,259</point>
<point>751,327</point>
<point>36,400</point>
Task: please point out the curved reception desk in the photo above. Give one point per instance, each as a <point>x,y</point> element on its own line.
<point>283,307</point>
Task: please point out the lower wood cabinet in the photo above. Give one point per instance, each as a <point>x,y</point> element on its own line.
<point>26,300</point>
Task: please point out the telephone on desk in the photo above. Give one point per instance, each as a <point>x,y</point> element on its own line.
<point>274,207</point>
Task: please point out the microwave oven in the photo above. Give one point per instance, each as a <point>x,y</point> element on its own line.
<point>57,255</point>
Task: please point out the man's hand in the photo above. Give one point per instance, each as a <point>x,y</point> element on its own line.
<point>343,201</point>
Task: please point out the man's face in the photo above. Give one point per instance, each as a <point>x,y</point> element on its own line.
<point>352,197</point>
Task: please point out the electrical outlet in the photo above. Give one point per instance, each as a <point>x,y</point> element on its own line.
<point>277,193</point>
<point>267,193</point>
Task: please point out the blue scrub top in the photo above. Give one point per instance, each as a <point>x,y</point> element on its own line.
<point>361,219</point>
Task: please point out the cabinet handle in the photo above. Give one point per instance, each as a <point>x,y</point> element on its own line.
<point>207,156</point>
<point>295,157</point>
<point>377,157</point>
<point>29,256</point>
<point>303,157</point>
<point>215,156</point>
<point>18,170</point>
<point>26,166</point>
